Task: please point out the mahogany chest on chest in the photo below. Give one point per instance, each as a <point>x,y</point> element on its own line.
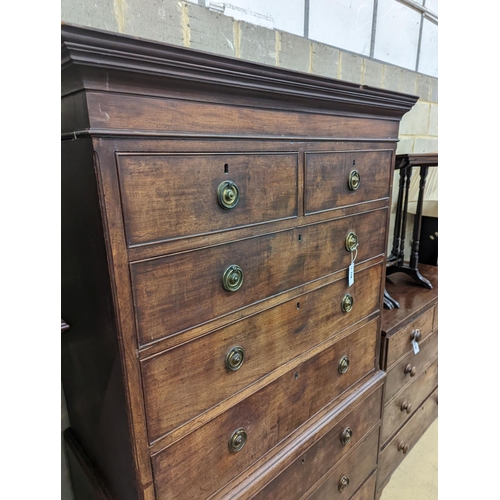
<point>211,208</point>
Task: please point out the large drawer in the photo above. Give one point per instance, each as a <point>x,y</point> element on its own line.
<point>399,409</point>
<point>336,179</point>
<point>201,463</point>
<point>193,377</point>
<point>392,455</point>
<point>409,366</point>
<point>400,344</point>
<point>311,466</point>
<point>180,291</point>
<point>350,474</point>
<point>167,196</point>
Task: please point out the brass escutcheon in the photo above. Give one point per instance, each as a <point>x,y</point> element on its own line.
<point>228,194</point>
<point>237,440</point>
<point>347,303</point>
<point>354,180</point>
<point>346,435</point>
<point>343,364</point>
<point>234,358</point>
<point>232,279</point>
<point>351,242</point>
<point>344,482</point>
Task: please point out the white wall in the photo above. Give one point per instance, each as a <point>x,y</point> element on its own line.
<point>391,31</point>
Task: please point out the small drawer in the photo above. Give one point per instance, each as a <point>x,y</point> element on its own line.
<point>318,460</point>
<point>209,283</point>
<point>350,474</point>
<point>400,344</point>
<point>168,196</point>
<point>337,179</point>
<point>411,365</point>
<point>220,450</point>
<point>188,380</point>
<point>402,443</point>
<point>399,410</point>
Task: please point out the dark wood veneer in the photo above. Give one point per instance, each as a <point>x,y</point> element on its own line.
<point>142,267</point>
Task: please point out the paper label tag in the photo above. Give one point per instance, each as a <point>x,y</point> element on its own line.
<point>350,279</point>
<point>416,348</point>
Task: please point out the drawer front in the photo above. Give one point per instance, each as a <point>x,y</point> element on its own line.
<point>330,178</point>
<point>399,409</point>
<point>355,469</point>
<point>401,373</point>
<point>399,344</point>
<point>318,460</point>
<point>172,196</point>
<point>367,491</point>
<point>201,463</point>
<point>177,292</point>
<point>393,454</point>
<point>183,382</point>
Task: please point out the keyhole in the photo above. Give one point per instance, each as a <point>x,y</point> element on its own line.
<point>226,168</point>
<point>298,305</point>
<point>354,162</point>
<point>300,237</point>
<point>296,376</point>
<point>303,461</point>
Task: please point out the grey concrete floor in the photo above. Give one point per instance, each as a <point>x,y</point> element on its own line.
<point>417,476</point>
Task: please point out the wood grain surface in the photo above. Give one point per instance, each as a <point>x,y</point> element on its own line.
<point>178,292</point>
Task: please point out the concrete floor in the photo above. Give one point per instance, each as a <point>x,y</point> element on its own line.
<point>417,476</point>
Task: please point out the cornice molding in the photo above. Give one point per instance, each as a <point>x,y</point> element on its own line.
<point>91,48</point>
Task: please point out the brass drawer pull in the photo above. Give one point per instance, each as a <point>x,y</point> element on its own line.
<point>237,440</point>
<point>235,358</point>
<point>354,180</point>
<point>343,364</point>
<point>412,370</point>
<point>228,194</point>
<point>344,482</point>
<point>405,406</point>
<point>347,303</point>
<point>351,241</point>
<point>416,335</point>
<point>232,278</point>
<point>404,447</point>
<point>346,436</point>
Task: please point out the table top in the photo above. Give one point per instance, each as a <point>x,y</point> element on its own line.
<point>413,299</point>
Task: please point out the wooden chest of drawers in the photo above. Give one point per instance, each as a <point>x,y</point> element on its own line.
<point>410,399</point>
<point>211,208</point>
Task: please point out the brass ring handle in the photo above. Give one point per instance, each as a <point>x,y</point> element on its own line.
<point>351,241</point>
<point>228,195</point>
<point>234,358</point>
<point>404,447</point>
<point>344,482</point>
<point>416,335</point>
<point>343,364</point>
<point>354,180</point>
<point>346,436</point>
<point>237,440</point>
<point>232,279</point>
<point>412,370</point>
<point>347,303</point>
<point>405,406</point>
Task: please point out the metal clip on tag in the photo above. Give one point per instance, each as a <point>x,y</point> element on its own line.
<point>350,277</point>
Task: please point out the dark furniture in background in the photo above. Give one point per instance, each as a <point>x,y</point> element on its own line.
<point>211,208</point>
<point>395,261</point>
<point>410,397</point>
